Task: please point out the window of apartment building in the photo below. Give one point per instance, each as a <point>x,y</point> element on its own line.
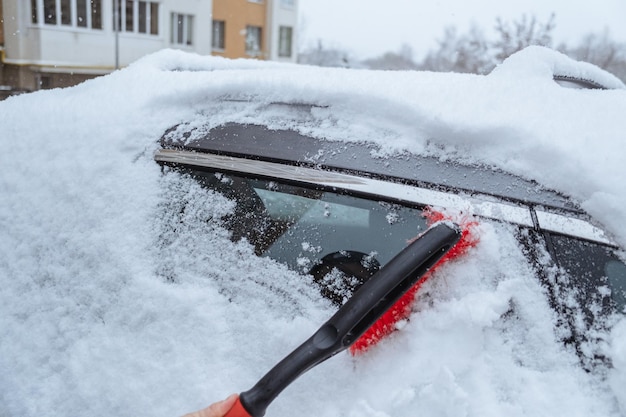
<point>61,12</point>
<point>66,12</point>
<point>129,15</point>
<point>137,16</point>
<point>219,29</point>
<point>43,82</point>
<point>33,11</point>
<point>182,29</point>
<point>253,40</point>
<point>96,13</point>
<point>81,13</point>
<point>289,4</point>
<point>285,38</point>
<point>50,12</point>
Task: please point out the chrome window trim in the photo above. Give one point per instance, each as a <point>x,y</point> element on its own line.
<point>502,211</point>
<point>570,226</point>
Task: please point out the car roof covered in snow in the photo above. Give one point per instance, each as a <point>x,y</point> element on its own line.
<point>513,133</point>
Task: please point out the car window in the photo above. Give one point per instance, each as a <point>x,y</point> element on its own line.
<point>598,273</point>
<point>300,226</point>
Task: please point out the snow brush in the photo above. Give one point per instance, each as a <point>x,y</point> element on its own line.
<point>354,318</point>
<point>401,310</point>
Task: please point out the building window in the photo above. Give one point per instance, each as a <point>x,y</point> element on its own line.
<point>129,16</point>
<point>153,18</point>
<point>182,29</point>
<point>81,13</point>
<point>33,11</point>
<point>253,40</point>
<point>289,4</point>
<point>219,29</point>
<point>50,12</point>
<point>285,38</point>
<point>142,13</point>
<point>96,13</point>
<point>137,16</point>
<point>61,12</point>
<point>44,82</point>
<point>66,12</point>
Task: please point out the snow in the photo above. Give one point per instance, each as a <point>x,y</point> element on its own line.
<point>105,310</point>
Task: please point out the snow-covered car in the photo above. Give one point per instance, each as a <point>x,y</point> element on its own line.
<point>337,210</point>
<point>323,206</point>
<point>131,287</point>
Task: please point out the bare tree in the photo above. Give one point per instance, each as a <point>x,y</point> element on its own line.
<point>519,34</point>
<point>325,57</point>
<point>473,53</point>
<point>401,60</point>
<point>466,53</point>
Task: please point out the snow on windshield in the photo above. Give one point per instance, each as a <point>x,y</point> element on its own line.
<point>115,301</point>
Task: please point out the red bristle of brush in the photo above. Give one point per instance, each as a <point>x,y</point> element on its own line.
<point>402,308</point>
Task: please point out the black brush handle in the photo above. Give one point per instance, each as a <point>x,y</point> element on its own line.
<point>362,310</point>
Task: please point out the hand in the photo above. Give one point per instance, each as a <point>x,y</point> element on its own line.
<point>218,409</point>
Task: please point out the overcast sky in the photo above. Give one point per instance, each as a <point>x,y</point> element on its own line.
<point>367,28</point>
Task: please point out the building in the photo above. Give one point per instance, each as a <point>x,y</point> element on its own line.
<point>58,43</point>
<point>264,29</point>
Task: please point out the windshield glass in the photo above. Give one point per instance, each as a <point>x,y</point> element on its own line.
<point>300,227</point>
